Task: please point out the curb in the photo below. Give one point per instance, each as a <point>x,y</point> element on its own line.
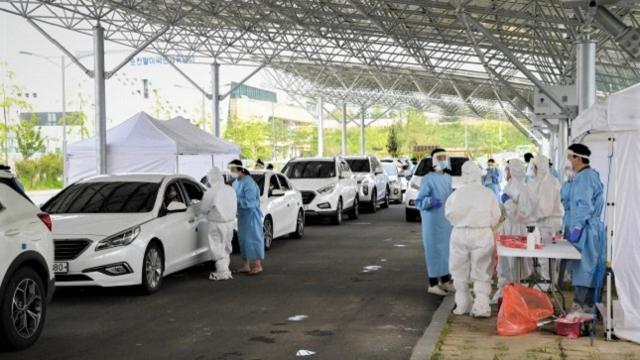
<point>424,348</point>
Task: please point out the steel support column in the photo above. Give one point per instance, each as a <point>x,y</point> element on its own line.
<point>563,139</point>
<point>215,98</point>
<point>586,73</point>
<point>320,127</point>
<point>101,114</point>
<point>344,129</point>
<point>363,115</point>
<point>64,120</point>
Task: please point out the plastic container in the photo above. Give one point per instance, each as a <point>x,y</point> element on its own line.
<point>574,328</point>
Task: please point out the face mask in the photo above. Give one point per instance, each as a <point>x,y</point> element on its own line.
<point>234,175</point>
<point>441,165</point>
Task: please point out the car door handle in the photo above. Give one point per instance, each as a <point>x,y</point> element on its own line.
<point>12,232</point>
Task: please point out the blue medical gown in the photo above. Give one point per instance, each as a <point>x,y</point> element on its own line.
<point>250,234</point>
<point>492,180</point>
<point>565,197</point>
<point>586,201</point>
<point>436,229</point>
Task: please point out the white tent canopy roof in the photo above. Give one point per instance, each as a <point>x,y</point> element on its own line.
<point>143,134</point>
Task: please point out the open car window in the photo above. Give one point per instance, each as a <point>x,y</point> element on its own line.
<point>359,165</point>
<point>194,191</point>
<point>259,179</point>
<point>104,197</point>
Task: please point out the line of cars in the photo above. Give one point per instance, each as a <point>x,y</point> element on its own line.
<point>135,229</point>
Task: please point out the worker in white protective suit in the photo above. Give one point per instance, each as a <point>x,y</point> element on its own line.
<point>472,210</point>
<point>517,207</point>
<point>219,207</point>
<point>547,210</point>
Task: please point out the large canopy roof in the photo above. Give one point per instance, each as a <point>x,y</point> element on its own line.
<point>418,53</point>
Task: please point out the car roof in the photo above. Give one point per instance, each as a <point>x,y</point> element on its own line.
<point>134,177</point>
<point>6,175</point>
<point>358,157</point>
<point>303,159</point>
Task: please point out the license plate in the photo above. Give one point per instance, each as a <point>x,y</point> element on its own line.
<point>306,207</point>
<point>60,268</point>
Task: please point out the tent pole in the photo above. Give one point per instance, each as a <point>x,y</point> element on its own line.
<point>320,127</point>
<point>101,115</point>
<point>344,129</point>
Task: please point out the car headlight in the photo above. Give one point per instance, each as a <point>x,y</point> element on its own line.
<point>415,186</point>
<point>122,238</point>
<point>327,189</point>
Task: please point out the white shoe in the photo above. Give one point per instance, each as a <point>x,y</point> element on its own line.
<point>481,308</point>
<point>448,287</point>
<point>220,276</point>
<point>437,290</point>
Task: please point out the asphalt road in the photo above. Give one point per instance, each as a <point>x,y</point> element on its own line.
<point>351,314</point>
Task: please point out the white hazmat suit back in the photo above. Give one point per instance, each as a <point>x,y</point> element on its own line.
<point>517,215</point>
<point>219,206</point>
<point>547,210</point>
<point>472,210</point>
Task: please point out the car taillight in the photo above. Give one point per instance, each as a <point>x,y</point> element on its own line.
<point>46,219</point>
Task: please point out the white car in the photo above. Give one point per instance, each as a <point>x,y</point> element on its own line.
<point>395,184</point>
<point>281,205</point>
<point>327,185</point>
<point>373,183</point>
<point>404,171</point>
<point>411,213</point>
<point>26,260</point>
<point>121,230</point>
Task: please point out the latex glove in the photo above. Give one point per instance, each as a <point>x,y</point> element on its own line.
<point>435,203</point>
<point>505,198</point>
<point>574,236</point>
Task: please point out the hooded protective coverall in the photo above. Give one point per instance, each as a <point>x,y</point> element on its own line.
<point>218,205</point>
<point>472,210</point>
<point>547,211</point>
<point>517,212</point>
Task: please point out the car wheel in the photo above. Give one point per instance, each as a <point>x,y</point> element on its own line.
<point>373,205</point>
<point>385,204</point>
<point>411,215</point>
<point>299,233</point>
<point>337,218</point>
<point>24,309</point>
<point>355,210</point>
<point>152,269</point>
<point>267,229</point>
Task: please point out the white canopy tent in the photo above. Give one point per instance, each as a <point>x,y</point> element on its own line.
<point>145,144</point>
<point>612,132</point>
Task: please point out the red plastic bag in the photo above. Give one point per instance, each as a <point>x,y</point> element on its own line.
<point>522,308</point>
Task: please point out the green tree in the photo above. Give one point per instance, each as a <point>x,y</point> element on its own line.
<point>78,118</point>
<point>28,138</point>
<point>252,136</point>
<point>11,105</point>
<point>393,147</point>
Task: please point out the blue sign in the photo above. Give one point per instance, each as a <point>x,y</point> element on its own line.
<point>160,60</point>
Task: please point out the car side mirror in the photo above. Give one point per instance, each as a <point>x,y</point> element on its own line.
<point>176,206</point>
<point>276,193</point>
<point>194,202</point>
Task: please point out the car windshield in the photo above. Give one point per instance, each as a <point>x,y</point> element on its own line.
<point>104,197</point>
<point>390,169</point>
<point>359,165</point>
<point>259,179</point>
<point>456,166</point>
<point>310,169</point>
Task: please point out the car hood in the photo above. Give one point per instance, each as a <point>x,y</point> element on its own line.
<point>95,224</point>
<point>312,184</point>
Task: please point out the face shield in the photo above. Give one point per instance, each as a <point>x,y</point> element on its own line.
<point>441,161</point>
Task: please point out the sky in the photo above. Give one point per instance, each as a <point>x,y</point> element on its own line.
<point>123,99</point>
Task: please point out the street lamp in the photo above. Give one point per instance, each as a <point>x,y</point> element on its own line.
<point>64,108</point>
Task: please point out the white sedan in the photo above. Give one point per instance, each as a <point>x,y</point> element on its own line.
<point>126,230</point>
<point>281,204</point>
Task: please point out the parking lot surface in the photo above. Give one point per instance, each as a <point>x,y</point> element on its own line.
<point>352,309</point>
